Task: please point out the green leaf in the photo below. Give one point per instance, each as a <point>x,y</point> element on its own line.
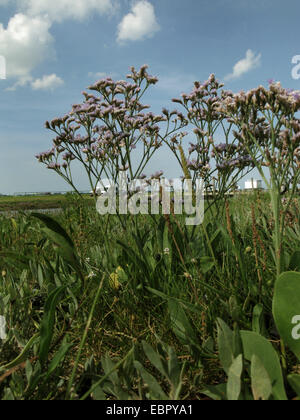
<point>234,385</point>
<point>59,356</point>
<point>135,259</point>
<point>255,344</point>
<point>258,319</point>
<point>181,324</point>
<point>47,325</point>
<point>108,365</point>
<point>23,355</point>
<point>59,236</point>
<point>260,381</point>
<point>154,358</point>
<point>286,309</point>
<point>54,226</point>
<point>28,370</point>
<point>206,264</point>
<point>215,392</point>
<point>294,381</point>
<point>155,389</point>
<point>174,369</point>
<point>225,345</point>
<point>295,262</point>
<point>98,394</point>
<point>8,395</point>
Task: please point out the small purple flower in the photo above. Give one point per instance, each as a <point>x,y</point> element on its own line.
<point>157,175</point>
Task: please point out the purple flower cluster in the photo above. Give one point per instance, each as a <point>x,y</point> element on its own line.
<point>104,130</point>
<point>258,127</point>
<point>203,102</point>
<point>240,162</point>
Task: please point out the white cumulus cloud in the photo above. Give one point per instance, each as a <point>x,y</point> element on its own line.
<point>250,62</point>
<point>59,10</point>
<point>47,82</point>
<point>24,44</point>
<point>26,41</point>
<point>140,23</point>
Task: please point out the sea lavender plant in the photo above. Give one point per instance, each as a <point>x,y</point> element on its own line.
<point>104,131</point>
<point>267,127</point>
<point>220,166</point>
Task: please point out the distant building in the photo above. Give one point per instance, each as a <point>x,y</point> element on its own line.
<point>103,186</point>
<point>253,184</point>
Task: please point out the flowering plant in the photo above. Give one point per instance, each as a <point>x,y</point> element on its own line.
<point>103,132</point>
<point>270,132</point>
<point>220,165</point>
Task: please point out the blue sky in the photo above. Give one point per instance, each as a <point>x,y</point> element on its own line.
<point>54,49</point>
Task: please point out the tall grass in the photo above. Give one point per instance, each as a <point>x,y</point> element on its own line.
<point>97,311</point>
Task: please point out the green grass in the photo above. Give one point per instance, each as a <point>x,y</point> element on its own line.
<point>124,287</point>
<point>40,202</point>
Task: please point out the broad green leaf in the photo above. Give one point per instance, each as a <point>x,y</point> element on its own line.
<point>181,324</point>
<point>59,236</point>
<point>260,381</point>
<point>47,325</point>
<point>294,381</point>
<point>98,394</point>
<point>215,392</point>
<point>234,385</point>
<point>154,358</point>
<point>155,389</point>
<point>255,344</point>
<point>54,227</point>
<point>174,367</point>
<point>237,342</point>
<point>108,365</point>
<point>286,309</point>
<point>225,345</point>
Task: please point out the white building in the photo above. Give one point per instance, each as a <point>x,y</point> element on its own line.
<point>253,184</point>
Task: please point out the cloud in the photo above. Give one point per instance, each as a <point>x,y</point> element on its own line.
<point>27,42</point>
<point>140,23</point>
<point>24,44</point>
<point>65,9</point>
<point>250,62</point>
<point>47,82</point>
<point>23,81</point>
